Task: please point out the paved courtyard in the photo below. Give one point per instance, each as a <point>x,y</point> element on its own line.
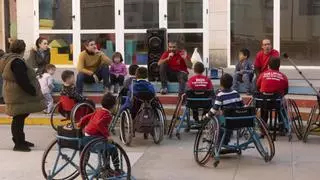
<point>173,159</point>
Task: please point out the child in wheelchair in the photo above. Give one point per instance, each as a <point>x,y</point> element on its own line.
<point>128,81</point>
<point>225,98</point>
<point>199,82</point>
<point>96,125</point>
<point>69,89</point>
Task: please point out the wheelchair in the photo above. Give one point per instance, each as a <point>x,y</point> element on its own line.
<point>313,123</point>
<point>198,100</point>
<point>66,158</point>
<point>273,110</point>
<point>70,111</point>
<point>152,113</point>
<point>210,139</point>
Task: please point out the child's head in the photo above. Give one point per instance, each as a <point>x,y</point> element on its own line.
<point>226,81</point>
<point>67,77</point>
<point>244,54</point>
<point>117,58</point>
<point>1,53</point>
<point>132,69</point>
<point>198,68</point>
<point>274,63</point>
<point>142,73</point>
<point>51,69</point>
<point>108,101</point>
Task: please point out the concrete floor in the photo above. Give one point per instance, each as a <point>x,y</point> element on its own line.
<point>173,159</point>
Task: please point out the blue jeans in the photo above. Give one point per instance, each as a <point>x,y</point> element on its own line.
<point>242,78</point>
<point>102,73</point>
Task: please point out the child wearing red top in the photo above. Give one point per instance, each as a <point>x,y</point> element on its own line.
<point>96,125</point>
<point>199,82</point>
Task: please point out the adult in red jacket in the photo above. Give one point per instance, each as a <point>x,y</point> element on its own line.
<point>174,66</point>
<point>263,57</point>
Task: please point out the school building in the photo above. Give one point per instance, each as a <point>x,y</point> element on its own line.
<point>218,28</point>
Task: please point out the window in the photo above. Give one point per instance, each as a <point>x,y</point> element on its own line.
<point>300,32</point>
<point>136,50</point>
<point>251,21</point>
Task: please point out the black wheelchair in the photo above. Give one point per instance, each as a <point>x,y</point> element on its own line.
<point>148,119</point>
<point>69,156</point>
<point>195,101</point>
<point>210,139</point>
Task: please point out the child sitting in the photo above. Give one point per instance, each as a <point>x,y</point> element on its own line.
<point>46,84</point>
<point>243,72</point>
<point>199,82</point>
<point>128,81</point>
<point>118,71</point>
<point>69,89</point>
<point>96,125</point>
<point>226,97</point>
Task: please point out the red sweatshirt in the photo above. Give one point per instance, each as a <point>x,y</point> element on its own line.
<point>96,124</point>
<point>199,82</point>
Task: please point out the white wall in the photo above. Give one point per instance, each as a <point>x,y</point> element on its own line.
<point>25,22</point>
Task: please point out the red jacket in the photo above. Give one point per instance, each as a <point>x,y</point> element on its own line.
<point>199,82</point>
<point>97,123</point>
<point>273,81</point>
<point>176,62</point>
<point>262,59</point>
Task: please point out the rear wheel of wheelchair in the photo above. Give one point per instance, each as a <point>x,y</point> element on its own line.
<point>158,129</point>
<point>79,111</point>
<point>101,159</point>
<point>58,119</point>
<point>216,163</point>
<point>206,139</point>
<point>265,146</point>
<point>295,117</point>
<point>59,164</point>
<point>126,127</point>
<point>314,115</point>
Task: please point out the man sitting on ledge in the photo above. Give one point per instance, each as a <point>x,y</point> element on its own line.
<point>93,66</point>
<point>174,66</point>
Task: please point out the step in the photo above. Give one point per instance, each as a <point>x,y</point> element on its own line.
<point>299,87</point>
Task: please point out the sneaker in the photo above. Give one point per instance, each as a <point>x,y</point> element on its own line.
<point>21,148</point>
<point>164,90</point>
<point>29,144</point>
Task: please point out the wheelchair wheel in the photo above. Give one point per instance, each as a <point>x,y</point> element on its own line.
<point>59,163</point>
<point>158,129</point>
<point>79,111</point>
<point>58,121</point>
<point>314,116</point>
<point>295,117</point>
<point>206,139</point>
<point>126,127</point>
<point>101,159</point>
<point>265,146</point>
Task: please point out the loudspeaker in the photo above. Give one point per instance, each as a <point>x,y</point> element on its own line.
<point>157,44</point>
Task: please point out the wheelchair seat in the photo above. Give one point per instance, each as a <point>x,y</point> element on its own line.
<point>268,101</point>
<point>144,96</point>
<point>69,137</point>
<point>236,118</point>
<point>199,99</point>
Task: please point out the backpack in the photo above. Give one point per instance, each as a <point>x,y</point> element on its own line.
<point>145,119</point>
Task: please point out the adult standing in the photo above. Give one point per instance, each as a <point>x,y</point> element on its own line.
<point>22,92</point>
<point>174,66</point>
<point>263,57</point>
<point>39,56</point>
<point>93,66</point>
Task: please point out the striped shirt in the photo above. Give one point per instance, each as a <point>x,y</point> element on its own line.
<point>226,98</point>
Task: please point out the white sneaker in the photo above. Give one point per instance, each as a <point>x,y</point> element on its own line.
<point>163,90</point>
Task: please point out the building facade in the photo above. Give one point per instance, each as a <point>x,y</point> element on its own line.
<point>218,28</point>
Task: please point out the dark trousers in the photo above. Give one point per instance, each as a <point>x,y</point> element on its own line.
<point>102,73</point>
<point>17,126</point>
<point>116,80</point>
<point>167,74</point>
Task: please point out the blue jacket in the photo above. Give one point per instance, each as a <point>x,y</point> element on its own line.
<point>138,86</point>
<point>245,66</point>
